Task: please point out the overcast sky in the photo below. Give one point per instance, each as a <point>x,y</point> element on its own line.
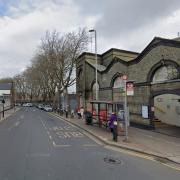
<point>123,24</point>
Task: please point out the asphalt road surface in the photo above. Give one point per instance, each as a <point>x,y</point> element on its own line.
<point>37,146</point>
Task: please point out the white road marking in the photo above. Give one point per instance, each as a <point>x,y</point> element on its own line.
<point>17,123</point>
<point>35,155</point>
<point>89,145</point>
<point>60,145</point>
<point>69,134</point>
<point>50,137</point>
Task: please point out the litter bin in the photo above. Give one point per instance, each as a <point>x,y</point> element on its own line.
<point>88,117</point>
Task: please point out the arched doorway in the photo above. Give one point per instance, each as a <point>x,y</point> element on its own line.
<point>167,109</point>
<point>165,97</point>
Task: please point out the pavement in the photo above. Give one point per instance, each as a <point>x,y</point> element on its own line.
<point>8,113</point>
<point>158,145</point>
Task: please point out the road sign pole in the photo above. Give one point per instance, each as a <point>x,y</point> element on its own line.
<point>3,110</point>
<point>125,110</point>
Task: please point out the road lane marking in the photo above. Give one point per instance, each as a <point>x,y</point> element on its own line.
<point>17,123</point>
<point>35,155</point>
<point>69,134</point>
<point>50,137</point>
<point>90,145</point>
<point>60,145</point>
<point>82,131</point>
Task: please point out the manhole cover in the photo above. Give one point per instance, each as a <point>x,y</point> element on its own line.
<point>112,160</point>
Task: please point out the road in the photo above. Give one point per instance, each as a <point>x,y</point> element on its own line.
<point>35,145</point>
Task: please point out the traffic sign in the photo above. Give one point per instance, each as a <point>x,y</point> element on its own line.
<point>130,88</point>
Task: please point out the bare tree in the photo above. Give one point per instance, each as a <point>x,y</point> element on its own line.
<point>53,67</point>
<point>61,54</point>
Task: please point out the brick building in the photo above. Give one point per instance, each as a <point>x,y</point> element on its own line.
<point>155,72</point>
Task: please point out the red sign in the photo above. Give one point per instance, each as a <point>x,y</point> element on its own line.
<point>124,77</point>
<point>130,88</point>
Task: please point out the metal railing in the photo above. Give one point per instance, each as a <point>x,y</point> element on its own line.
<point>4,109</point>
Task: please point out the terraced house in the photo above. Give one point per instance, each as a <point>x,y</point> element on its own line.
<point>156,75</point>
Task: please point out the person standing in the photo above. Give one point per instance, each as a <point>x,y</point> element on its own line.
<point>82,112</point>
<point>78,113</point>
<point>113,125</point>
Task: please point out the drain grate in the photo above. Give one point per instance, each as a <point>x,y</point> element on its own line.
<point>112,160</point>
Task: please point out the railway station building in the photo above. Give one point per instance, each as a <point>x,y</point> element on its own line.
<point>155,73</point>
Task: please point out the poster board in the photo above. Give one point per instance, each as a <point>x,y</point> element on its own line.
<point>145,113</point>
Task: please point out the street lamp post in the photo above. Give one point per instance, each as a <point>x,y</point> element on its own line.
<point>93,30</point>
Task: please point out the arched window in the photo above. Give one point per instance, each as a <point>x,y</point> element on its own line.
<point>165,73</point>
<point>118,88</point>
<point>118,82</point>
<point>94,91</point>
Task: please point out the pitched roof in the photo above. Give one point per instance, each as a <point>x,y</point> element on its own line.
<point>5,86</point>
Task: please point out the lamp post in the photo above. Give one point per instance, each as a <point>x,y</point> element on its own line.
<point>93,30</point>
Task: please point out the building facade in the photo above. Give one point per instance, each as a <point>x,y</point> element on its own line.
<point>155,73</point>
<point>7,94</point>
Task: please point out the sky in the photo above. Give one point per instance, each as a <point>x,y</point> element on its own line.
<point>122,24</point>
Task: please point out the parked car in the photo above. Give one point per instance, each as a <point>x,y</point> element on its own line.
<point>48,108</point>
<point>40,106</point>
<point>27,105</point>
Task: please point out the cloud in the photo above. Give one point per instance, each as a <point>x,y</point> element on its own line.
<point>124,24</point>
<point>133,24</point>
<point>23,27</point>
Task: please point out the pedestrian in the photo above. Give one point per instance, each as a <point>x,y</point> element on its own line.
<point>82,112</point>
<point>113,125</point>
<point>78,113</point>
<point>72,113</point>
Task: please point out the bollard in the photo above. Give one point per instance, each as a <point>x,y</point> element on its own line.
<point>66,114</point>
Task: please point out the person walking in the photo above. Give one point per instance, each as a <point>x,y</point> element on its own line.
<point>113,125</point>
